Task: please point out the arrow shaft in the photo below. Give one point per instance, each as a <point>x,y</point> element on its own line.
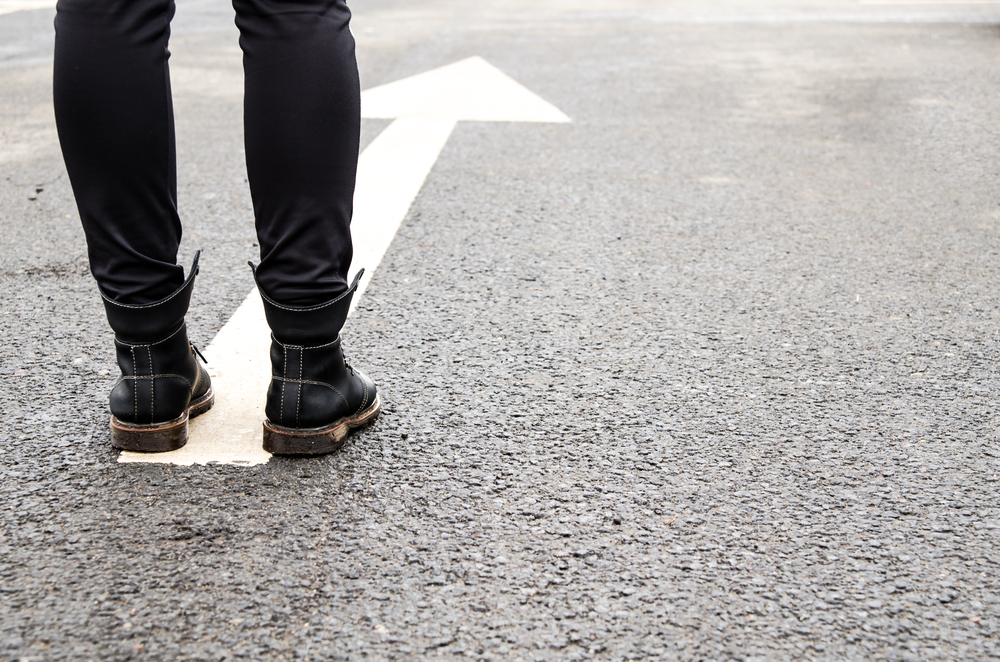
<point>391,172</point>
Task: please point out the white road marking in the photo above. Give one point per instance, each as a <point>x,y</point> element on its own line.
<point>11,6</point>
<point>391,172</point>
<point>427,106</point>
<point>403,154</point>
<point>238,362</point>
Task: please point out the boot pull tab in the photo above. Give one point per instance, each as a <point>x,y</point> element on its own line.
<point>198,352</point>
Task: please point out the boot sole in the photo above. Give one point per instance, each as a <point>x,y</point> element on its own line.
<point>159,437</point>
<point>280,440</point>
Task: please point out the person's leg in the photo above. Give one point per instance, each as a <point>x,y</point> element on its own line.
<point>302,115</point>
<point>113,110</point>
<point>303,118</point>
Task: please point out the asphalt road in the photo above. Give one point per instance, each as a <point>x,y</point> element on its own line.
<point>709,373</point>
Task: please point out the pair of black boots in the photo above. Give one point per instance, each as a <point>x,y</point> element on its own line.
<point>313,402</point>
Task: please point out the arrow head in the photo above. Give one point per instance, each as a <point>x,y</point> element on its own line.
<point>471,90</point>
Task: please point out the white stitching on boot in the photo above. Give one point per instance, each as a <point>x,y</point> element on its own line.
<point>135,392</point>
<point>364,399</point>
<point>163,376</point>
<point>298,397</point>
<point>309,381</point>
<point>332,342</point>
<point>284,371</point>
<point>182,327</point>
<point>152,388</point>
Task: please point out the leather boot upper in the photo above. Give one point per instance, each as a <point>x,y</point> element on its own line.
<point>158,380</point>
<point>314,386</point>
<point>160,370</point>
<point>311,384</point>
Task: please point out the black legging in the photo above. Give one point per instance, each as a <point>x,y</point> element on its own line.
<point>302,116</point>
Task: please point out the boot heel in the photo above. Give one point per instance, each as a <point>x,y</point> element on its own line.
<point>310,441</point>
<point>156,438</point>
<point>279,440</point>
<point>159,437</point>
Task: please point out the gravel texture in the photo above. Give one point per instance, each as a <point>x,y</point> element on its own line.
<point>709,373</point>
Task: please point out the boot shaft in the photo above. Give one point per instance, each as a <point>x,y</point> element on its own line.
<point>307,325</point>
<point>160,371</point>
<point>152,322</point>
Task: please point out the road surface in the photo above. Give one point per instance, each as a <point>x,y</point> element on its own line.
<point>709,372</point>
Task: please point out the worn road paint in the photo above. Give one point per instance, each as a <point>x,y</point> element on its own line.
<point>230,432</point>
<point>425,108</point>
<point>391,172</point>
<point>11,6</point>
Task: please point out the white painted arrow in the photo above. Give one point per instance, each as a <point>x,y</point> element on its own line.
<point>391,172</point>
<point>425,108</point>
<point>11,6</point>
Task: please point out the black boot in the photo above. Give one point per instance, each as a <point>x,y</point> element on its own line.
<point>162,384</point>
<point>315,398</point>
